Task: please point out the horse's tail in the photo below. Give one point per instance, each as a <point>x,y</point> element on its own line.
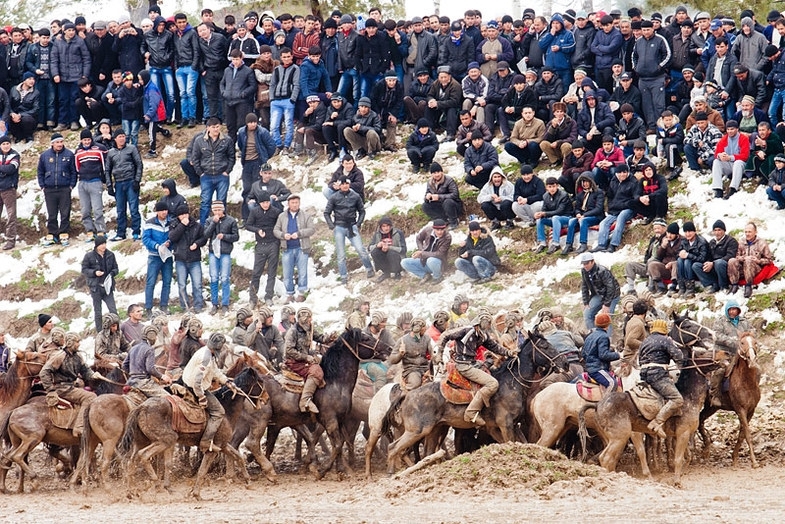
<point>6,437</point>
<point>583,433</point>
<point>390,419</point>
<point>87,434</point>
<point>131,428</point>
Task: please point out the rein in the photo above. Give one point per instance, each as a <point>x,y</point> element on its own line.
<point>519,379</point>
<point>696,335</point>
<point>354,352</point>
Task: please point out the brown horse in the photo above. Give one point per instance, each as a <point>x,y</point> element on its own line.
<point>16,384</point>
<point>742,397</point>
<point>149,429</point>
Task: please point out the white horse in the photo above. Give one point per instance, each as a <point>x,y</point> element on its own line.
<point>377,412</point>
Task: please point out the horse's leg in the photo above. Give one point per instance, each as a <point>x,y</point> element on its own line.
<point>147,453</point>
<point>402,444</point>
<point>204,467</point>
<point>254,444</point>
<point>272,437</point>
<point>350,428</point>
<point>640,449</point>
<point>335,435</point>
<point>744,434</point>
<point>20,452</point>
<point>232,453</point>
<point>705,437</point>
<point>680,447</point>
<point>370,444</point>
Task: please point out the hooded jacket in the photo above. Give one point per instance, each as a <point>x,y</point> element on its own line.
<point>603,116</point>
<point>183,236</point>
<point>173,199</point>
<point>159,45</point>
<point>483,247</point>
<point>506,190</point>
<point>566,42</point>
<point>727,330</point>
<point>589,203</point>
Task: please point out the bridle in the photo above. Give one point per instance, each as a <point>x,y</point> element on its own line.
<point>535,349</point>
<point>696,336</point>
<point>354,351</point>
<point>30,374</point>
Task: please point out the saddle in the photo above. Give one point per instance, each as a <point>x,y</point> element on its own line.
<point>63,414</point>
<point>290,381</point>
<point>457,389</point>
<point>647,400</point>
<point>591,391</point>
<point>187,417</point>
<point>134,398</point>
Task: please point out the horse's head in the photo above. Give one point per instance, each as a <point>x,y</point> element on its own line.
<point>688,333</point>
<point>31,361</point>
<point>748,349</point>
<point>545,355</point>
<point>361,344</point>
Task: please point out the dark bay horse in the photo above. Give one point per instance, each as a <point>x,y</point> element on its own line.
<point>149,429</point>
<point>425,409</point>
<point>16,384</point>
<point>742,397</point>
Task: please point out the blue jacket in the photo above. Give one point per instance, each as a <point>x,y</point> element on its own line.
<point>265,145</point>
<point>56,169</point>
<point>606,47</point>
<point>150,102</point>
<point>311,77</point>
<point>597,352</point>
<point>566,42</point>
<point>154,233</point>
<point>9,170</point>
<point>603,117</point>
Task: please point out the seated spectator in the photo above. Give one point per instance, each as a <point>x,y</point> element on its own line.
<point>606,161</point>
<point>630,129</point>
<point>589,203</point>
<point>498,84</point>
<point>429,259</point>
<point>749,116</point>
<point>575,164</point>
<point>527,195</point>
<point>622,193</point>
<point>524,143</point>
<point>475,90</point>
<point>416,102</point>
<point>477,257</point>
<point>387,101</point>
<point>573,98</point>
<point>560,133</point>
<point>387,249</point>
<point>88,102</point>
<point>556,211</point>
<point>694,250</point>
<point>730,157</point>
<point>478,161</point>
<point>764,146</point>
<point>339,117</point>
<point>549,89</point>
<point>442,200</point>
<point>638,159</point>
<point>103,134</point>
<point>25,101</point>
<point>670,143</point>
<point>752,255</point>
<point>776,187</point>
<point>347,169</point>
<point>713,273</point>
<point>521,94</point>
<point>421,146</point>
<point>594,121</point>
<point>364,131</point>
<point>638,269</point>
<point>700,143</point>
<point>627,93</point>
<point>652,201</point>
<point>309,132</point>
<point>495,199</point>
<point>444,101</point>
<point>663,265</point>
<point>463,136</point>
<point>712,115</point>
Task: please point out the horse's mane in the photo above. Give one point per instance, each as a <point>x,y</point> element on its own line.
<point>236,368</point>
<point>9,383</point>
<point>331,361</point>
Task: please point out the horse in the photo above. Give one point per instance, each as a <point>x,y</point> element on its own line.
<point>742,397</point>
<point>618,419</point>
<point>17,382</point>
<point>425,409</point>
<point>377,413</point>
<point>149,428</point>
<point>340,364</point>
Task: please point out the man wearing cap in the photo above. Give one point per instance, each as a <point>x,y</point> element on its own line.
<point>475,91</point>
<point>481,158</point>
<point>606,46</point>
<point>730,157</point>
<point>9,182</point>
<point>43,336</point>
<point>776,187</point>
<point>599,290</point>
<point>387,101</point>
<point>57,177</point>
<point>99,265</point>
<point>442,199</point>
<point>428,261</point>
<point>70,61</point>
<point>155,237</point>
<point>463,136</point>
<point>638,269</point>
<point>596,350</point>
<point>24,108</point>
<point>626,93</point>
<point>90,163</point>
<point>750,83</point>
<point>527,195</point>
<point>294,228</point>
<point>221,233</point>
<point>498,84</point>
<point>584,36</point>
<point>365,130</point>
<point>344,215</point>
<point>339,116</point>
<point>493,49</point>
<point>423,52</point>
<point>650,58</point>
<point>277,190</point>
<point>261,222</point>
<point>458,50</point>
<point>256,147</point>
<point>123,179</point>
<point>444,101</point>
<point>186,238</point>
<point>595,121</point>
<point>713,273</point>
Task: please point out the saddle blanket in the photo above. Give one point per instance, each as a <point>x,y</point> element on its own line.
<point>647,400</point>
<point>455,388</point>
<point>591,391</point>
<point>186,417</point>
<point>291,382</point>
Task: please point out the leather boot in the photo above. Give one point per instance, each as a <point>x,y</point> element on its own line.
<point>306,398</point>
<point>667,411</point>
<point>715,389</point>
<point>210,429</point>
<point>472,413</point>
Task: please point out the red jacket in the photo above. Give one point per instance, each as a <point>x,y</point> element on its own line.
<point>744,147</point>
<point>616,156</point>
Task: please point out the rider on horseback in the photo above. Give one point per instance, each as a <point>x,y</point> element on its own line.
<point>140,365</point>
<point>110,344</point>
<point>467,340</point>
<point>727,329</point>
<point>301,359</point>
<point>414,351</point>
<point>59,377</point>
<point>597,352</point>
<point>198,375</point>
<point>654,355</point>
<point>376,367</point>
<point>264,338</point>
<point>564,342</point>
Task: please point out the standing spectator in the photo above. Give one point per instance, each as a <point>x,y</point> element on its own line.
<point>477,257</point>
<point>329,45</point>
<point>284,91</point>
<point>70,61</point>
<point>186,61</point>
<point>444,101</point>
<point>131,102</point>
<point>213,159</point>
<point>495,199</point>
<point>294,229</point>
<point>221,234</point>
<point>558,45</point>
<point>713,273</point>
<point>246,44</point>
<point>556,210</point>
<point>599,290</point>
<point>422,145</point>
<point>622,193</point>
<point>492,50</point>
<point>127,46</point>
<point>90,164</point>
<point>442,200</point>
<point>752,255</point>
<point>238,87</point>
<point>344,215</point>
<point>256,147</point>
<point>123,180</point>
<point>187,238</point>
<point>277,189</point>
<point>606,45</point>
<point>651,55</point>
<point>429,259</point>
<point>153,111</point>
<point>158,49</point>
<point>261,222</point>
<point>98,267</point>
<point>57,177</point>
<point>730,157</point>
<point>212,59</point>
<point>387,249</point>
<point>365,130</point>
<point>263,69</point>
<point>424,49</point>
<point>347,49</point>
<point>104,60</point>
<point>155,237</point>
<point>39,62</point>
<point>9,182</point>
<point>25,101</point>
<point>525,138</point>
<point>457,49</point>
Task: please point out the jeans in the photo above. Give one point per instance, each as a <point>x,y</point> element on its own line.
<point>220,273</point>
<point>556,223</point>
<point>477,267</point>
<point>282,109</point>
<point>91,202</point>
<point>585,224</point>
<point>605,228</point>
<point>46,110</point>
<point>100,297</point>
<point>775,112</point>
<point>218,184</point>
<point>684,269</point>
<point>692,153</point>
<point>131,129</point>
<point>432,266</point>
<point>341,233</point>
<point>367,81</point>
<point>594,307</point>
<point>193,270</point>
<point>776,196</point>
<point>67,92</point>
<point>295,258</point>
<point>250,175</point>
<point>186,83</point>
<point>156,266</point>
<point>164,79</point>
<point>718,276</point>
<point>126,196</point>
<point>353,77</point>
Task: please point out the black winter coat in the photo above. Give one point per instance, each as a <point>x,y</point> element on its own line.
<point>93,262</point>
<point>182,237</point>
